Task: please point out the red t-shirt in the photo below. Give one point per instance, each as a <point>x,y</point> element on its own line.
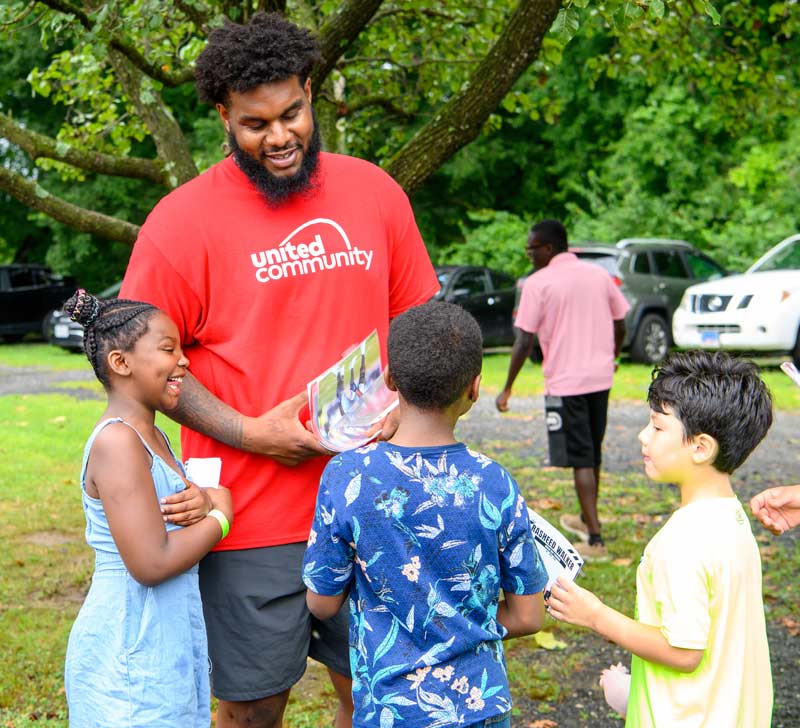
<point>266,299</point>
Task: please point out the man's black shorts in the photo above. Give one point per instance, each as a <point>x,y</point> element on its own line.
<point>576,426</point>
<point>260,632</point>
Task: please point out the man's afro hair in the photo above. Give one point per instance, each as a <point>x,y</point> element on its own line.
<point>242,57</point>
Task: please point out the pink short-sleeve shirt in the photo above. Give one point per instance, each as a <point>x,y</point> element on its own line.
<point>572,307</point>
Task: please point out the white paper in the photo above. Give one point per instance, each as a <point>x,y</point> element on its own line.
<point>558,555</point>
<point>204,472</point>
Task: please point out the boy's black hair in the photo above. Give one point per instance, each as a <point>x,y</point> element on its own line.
<point>115,323</point>
<point>716,394</point>
<point>551,232</point>
<point>242,57</point>
<point>435,351</point>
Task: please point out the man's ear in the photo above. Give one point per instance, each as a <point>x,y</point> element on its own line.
<point>387,377</point>
<point>474,390</point>
<point>706,449</point>
<point>223,114</point>
<point>307,89</point>
<point>117,363</point>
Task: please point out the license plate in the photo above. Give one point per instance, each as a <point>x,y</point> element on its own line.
<point>709,338</point>
<point>61,331</point>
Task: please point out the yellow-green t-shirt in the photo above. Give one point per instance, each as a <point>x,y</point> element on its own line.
<point>699,582</point>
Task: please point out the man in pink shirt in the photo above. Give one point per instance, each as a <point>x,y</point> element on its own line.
<point>578,313</point>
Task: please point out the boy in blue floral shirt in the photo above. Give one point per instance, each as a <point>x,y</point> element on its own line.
<point>423,533</point>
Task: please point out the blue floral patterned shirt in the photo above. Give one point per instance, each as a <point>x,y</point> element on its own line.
<point>425,539</point>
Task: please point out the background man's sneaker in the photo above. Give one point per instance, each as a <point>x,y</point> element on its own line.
<point>595,552</point>
<point>575,526</point>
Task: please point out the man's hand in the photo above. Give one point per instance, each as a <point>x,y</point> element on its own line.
<point>501,402</point>
<point>571,603</point>
<point>778,509</point>
<point>187,507</point>
<point>279,434</point>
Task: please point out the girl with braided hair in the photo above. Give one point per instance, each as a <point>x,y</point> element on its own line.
<point>137,653</point>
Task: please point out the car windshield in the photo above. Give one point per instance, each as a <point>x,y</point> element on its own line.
<point>787,258</point>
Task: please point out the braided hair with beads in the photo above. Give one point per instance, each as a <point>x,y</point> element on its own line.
<point>108,324</point>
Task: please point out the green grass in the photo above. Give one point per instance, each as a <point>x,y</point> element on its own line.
<point>45,565</point>
<point>44,356</point>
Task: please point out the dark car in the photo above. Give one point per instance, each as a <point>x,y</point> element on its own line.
<point>652,274</point>
<point>59,330</point>
<point>487,294</point>
<point>27,294</point>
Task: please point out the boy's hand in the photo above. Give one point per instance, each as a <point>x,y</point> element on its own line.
<point>571,603</point>
<point>187,507</point>
<point>778,509</point>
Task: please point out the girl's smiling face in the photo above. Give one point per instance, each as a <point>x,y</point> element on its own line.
<point>158,363</point>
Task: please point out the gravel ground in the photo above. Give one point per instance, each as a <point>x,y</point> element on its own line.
<point>773,462</point>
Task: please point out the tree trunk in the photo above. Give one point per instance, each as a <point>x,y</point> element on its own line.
<point>170,142</point>
<point>338,34</point>
<point>461,119</point>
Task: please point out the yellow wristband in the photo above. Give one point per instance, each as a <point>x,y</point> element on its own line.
<point>222,519</point>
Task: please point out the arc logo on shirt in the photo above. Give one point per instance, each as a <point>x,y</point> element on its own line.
<point>316,246</point>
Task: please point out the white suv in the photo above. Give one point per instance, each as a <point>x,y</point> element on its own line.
<point>757,311</point>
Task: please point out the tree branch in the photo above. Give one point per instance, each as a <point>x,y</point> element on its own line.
<point>40,146</point>
<point>341,28</point>
<point>461,119</point>
<point>345,109</point>
<point>153,70</point>
<point>34,196</point>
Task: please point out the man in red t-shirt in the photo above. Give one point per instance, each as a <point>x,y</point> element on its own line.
<point>272,263</point>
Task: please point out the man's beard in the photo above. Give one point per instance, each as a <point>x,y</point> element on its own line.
<point>277,190</point>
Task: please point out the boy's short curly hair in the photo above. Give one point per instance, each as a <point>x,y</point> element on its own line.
<point>435,351</point>
<point>716,394</point>
<point>242,57</point>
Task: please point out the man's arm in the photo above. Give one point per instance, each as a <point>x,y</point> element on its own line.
<point>778,509</point>
<point>576,605</point>
<point>619,336</point>
<point>519,353</point>
<point>278,433</point>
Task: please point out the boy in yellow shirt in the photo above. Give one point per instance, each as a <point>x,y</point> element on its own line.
<point>699,641</point>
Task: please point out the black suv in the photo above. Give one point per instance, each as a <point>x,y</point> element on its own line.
<point>652,274</point>
<point>27,294</point>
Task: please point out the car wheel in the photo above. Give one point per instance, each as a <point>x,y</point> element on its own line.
<point>651,341</point>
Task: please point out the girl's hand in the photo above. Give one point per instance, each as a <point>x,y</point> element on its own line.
<point>187,507</point>
<point>571,603</point>
<point>221,498</point>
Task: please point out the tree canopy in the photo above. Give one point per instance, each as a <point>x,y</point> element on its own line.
<point>618,116</point>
